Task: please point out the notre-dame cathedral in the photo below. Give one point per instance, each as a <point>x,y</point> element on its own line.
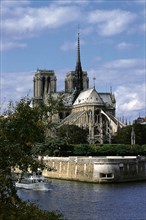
<point>85,107</point>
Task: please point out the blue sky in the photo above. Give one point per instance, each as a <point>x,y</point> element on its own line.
<point>43,34</point>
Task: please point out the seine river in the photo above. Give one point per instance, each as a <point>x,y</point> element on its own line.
<point>86,201</point>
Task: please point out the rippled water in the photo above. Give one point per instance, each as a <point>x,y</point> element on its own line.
<point>86,201</point>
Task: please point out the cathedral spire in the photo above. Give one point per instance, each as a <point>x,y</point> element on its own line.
<point>78,48</point>
<point>78,69</point>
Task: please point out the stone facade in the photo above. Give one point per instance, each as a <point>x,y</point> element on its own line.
<point>44,83</point>
<point>96,169</point>
<point>86,107</point>
<point>69,81</point>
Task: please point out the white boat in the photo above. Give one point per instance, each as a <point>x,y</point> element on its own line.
<point>32,182</point>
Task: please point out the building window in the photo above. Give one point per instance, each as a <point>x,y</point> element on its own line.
<point>102,175</point>
<point>109,175</point>
<point>106,175</point>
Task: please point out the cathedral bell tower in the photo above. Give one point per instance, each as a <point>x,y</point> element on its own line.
<point>44,83</point>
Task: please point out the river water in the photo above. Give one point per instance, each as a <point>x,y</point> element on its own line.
<point>87,201</point>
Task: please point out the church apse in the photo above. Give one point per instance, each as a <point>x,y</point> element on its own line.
<point>80,100</point>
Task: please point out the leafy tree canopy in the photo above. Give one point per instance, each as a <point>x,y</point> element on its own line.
<point>124,135</point>
<point>20,128</point>
<point>73,134</point>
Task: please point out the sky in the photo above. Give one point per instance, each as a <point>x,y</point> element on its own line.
<point>38,34</point>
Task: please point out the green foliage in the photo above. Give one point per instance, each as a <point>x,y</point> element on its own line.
<point>23,211</point>
<point>108,150</point>
<point>20,129</point>
<point>95,150</point>
<point>72,134</point>
<point>55,105</point>
<point>82,150</point>
<point>124,135</point>
<point>51,147</point>
<point>120,150</point>
<point>140,133</point>
<point>113,150</point>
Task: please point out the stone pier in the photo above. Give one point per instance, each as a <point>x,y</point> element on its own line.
<point>96,169</point>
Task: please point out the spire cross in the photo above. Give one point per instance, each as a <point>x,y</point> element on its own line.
<point>94,81</point>
<point>78,29</point>
<point>78,48</point>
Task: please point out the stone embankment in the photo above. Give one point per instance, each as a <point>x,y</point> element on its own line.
<point>96,169</point>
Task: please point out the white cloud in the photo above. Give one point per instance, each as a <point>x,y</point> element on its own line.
<point>127,78</point>
<point>126,46</point>
<point>66,46</point>
<point>12,45</point>
<point>142,2</point>
<point>126,64</point>
<point>111,22</point>
<point>15,86</point>
<point>87,30</point>
<point>23,21</point>
<point>118,73</point>
<point>131,100</point>
<point>68,2</point>
<point>142,27</point>
<point>36,19</point>
<point>97,58</point>
<point>14,3</point>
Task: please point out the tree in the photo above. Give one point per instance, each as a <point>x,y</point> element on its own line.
<point>140,133</point>
<point>51,147</point>
<point>20,128</point>
<point>123,136</point>
<point>73,134</point>
<point>49,114</point>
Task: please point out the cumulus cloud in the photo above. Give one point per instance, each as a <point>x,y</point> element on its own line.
<point>119,72</point>
<point>131,100</point>
<point>142,27</point>
<point>11,45</point>
<point>66,46</point>
<point>127,78</point>
<point>126,46</point>
<point>23,21</point>
<point>142,2</point>
<point>87,30</point>
<point>15,86</point>
<point>76,2</point>
<point>125,64</point>
<point>11,4</point>
<point>36,19</point>
<point>111,22</point>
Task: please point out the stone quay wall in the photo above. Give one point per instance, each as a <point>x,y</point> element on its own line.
<point>96,169</point>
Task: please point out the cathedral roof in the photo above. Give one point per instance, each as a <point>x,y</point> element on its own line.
<point>107,98</point>
<point>89,96</point>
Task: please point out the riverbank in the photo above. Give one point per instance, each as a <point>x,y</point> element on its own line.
<point>96,169</point>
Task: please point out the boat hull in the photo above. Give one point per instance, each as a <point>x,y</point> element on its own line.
<point>32,186</point>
